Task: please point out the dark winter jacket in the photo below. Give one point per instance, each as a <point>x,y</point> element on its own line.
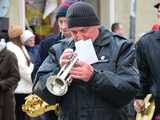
<point>148,60</point>
<point>32,51</point>
<point>114,82</point>
<point>43,50</point>
<point>9,77</point>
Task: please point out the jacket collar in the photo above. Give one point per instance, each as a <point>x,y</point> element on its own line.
<point>157,35</point>
<point>104,37</point>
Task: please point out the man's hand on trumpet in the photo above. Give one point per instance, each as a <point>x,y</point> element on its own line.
<point>65,57</point>
<point>81,70</point>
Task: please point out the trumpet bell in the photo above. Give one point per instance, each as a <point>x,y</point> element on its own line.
<point>56,86</point>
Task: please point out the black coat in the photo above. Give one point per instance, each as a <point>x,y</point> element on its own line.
<point>43,51</point>
<point>148,60</point>
<point>9,77</point>
<point>112,86</point>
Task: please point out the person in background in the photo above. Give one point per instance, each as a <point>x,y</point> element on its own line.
<point>148,60</point>
<point>29,40</point>
<point>53,38</point>
<point>156,26</point>
<point>24,88</point>
<point>9,75</point>
<point>118,28</point>
<point>99,90</point>
<point>45,44</point>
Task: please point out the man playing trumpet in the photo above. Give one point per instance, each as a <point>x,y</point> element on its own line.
<point>99,90</point>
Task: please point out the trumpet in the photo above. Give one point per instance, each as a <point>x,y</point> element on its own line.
<point>58,84</point>
<point>34,106</point>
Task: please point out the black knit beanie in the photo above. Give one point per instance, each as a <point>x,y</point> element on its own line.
<point>81,14</point>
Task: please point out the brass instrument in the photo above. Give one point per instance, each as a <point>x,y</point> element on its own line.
<point>148,113</point>
<point>34,106</point>
<point>58,84</point>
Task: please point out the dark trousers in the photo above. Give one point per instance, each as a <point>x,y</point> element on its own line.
<point>20,100</point>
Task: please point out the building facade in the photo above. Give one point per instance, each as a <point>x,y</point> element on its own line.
<point>110,11</point>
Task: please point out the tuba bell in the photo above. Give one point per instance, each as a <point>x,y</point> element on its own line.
<point>34,106</point>
<point>58,84</point>
<point>148,112</point>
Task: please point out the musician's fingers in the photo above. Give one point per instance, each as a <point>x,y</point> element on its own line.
<point>64,58</point>
<point>64,61</point>
<point>66,55</point>
<point>76,76</point>
<point>76,71</point>
<point>80,63</point>
<point>68,51</point>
